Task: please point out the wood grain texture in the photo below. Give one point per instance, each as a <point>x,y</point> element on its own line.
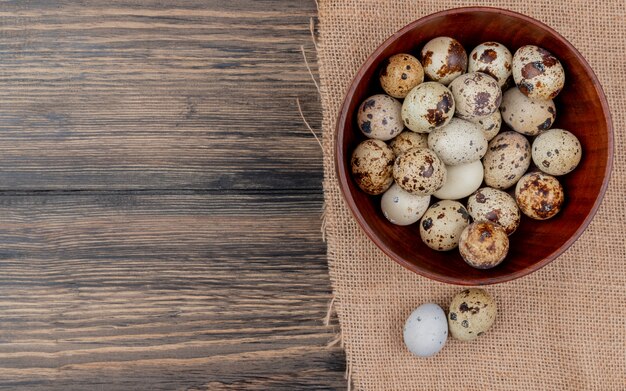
<point>153,95</point>
<point>160,198</point>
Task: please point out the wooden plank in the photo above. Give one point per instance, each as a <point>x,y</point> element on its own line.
<point>161,291</point>
<point>157,95</point>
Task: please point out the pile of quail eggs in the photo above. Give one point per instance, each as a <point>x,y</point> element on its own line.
<point>472,312</point>
<point>433,143</point>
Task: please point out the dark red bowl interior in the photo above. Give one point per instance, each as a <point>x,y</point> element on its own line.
<point>581,109</point>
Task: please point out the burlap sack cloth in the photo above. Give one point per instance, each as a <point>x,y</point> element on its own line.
<point>561,328</point>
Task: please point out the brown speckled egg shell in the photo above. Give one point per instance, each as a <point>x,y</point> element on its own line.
<point>539,196</point>
<point>556,152</point>
<point>419,171</point>
<point>443,59</point>
<point>537,73</point>
<point>527,116</point>
<point>372,166</point>
<point>379,117</point>
<point>492,58</point>
<point>472,312</point>
<point>400,73</point>
<point>428,106</point>
<point>507,159</point>
<point>490,124</point>
<point>442,224</point>
<point>408,140</point>
<point>483,244</point>
<point>488,204</point>
<point>475,95</point>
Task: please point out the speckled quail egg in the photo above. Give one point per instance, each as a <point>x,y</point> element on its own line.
<point>372,166</point>
<point>483,244</point>
<point>491,58</point>
<point>556,152</point>
<point>475,95</point>
<point>442,224</point>
<point>539,196</point>
<point>401,207</point>
<point>400,73</point>
<point>444,59</point>
<point>537,73</point>
<point>419,171</point>
<point>490,124</point>
<point>459,142</point>
<point>380,117</point>
<point>428,106</point>
<point>408,140</point>
<point>426,330</point>
<point>506,160</point>
<point>462,181</point>
<point>472,313</point>
<point>527,116</point>
<point>488,204</point>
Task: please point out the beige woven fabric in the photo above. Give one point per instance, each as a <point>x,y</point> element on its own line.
<point>561,328</point>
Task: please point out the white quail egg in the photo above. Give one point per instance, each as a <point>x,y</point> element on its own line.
<point>401,207</point>
<point>462,181</point>
<point>426,330</point>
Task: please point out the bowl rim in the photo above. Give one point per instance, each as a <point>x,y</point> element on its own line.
<point>343,179</point>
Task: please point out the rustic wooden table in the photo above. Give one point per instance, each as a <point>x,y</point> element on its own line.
<point>160,198</point>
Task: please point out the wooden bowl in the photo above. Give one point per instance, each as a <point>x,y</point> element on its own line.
<point>581,108</point>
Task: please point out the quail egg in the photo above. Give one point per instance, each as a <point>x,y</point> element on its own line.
<point>372,166</point>
<point>475,95</point>
<point>419,171</point>
<point>491,58</point>
<point>506,160</point>
<point>539,196</point>
<point>401,207</point>
<point>527,116</point>
<point>490,124</point>
<point>444,59</point>
<point>400,73</point>
<point>537,73</point>
<point>459,142</point>
<point>556,152</point>
<point>472,313</point>
<point>462,181</point>
<point>380,117</point>
<point>426,330</point>
<point>488,204</point>
<point>408,140</point>
<point>483,244</point>
<point>428,106</point>
<point>442,224</point>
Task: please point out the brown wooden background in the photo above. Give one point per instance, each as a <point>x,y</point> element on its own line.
<point>160,198</point>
